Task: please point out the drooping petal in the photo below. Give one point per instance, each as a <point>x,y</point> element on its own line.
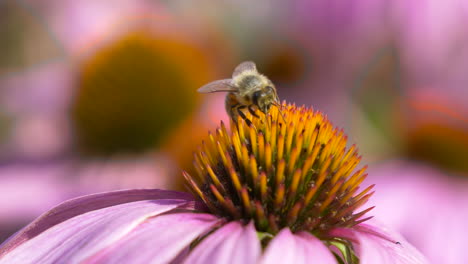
<point>376,244</point>
<point>287,247</point>
<point>158,240</point>
<point>232,243</point>
<point>87,234</point>
<point>374,248</point>
<point>86,204</point>
<point>408,194</point>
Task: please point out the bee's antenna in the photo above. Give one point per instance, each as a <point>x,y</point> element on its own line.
<point>280,107</point>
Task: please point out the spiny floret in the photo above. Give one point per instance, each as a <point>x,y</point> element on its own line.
<point>292,171</point>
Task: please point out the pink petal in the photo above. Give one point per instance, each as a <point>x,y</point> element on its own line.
<point>408,194</point>
<point>56,182</point>
<point>375,249</point>
<point>376,244</point>
<point>83,205</point>
<point>287,247</point>
<point>85,235</point>
<point>233,243</point>
<point>44,181</point>
<point>158,240</point>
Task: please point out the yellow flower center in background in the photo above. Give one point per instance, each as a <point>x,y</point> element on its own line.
<point>294,172</point>
<point>131,93</point>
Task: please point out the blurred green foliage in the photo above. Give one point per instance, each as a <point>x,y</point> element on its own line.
<point>18,25</point>
<point>378,91</point>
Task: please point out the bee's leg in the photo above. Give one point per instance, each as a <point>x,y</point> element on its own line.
<point>252,111</point>
<point>235,110</point>
<point>241,114</point>
<point>231,104</point>
<point>231,111</point>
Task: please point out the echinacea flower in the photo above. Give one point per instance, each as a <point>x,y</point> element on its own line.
<point>282,190</point>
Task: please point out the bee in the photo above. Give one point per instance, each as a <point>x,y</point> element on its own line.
<point>247,89</point>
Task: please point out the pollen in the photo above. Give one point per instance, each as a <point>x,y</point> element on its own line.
<point>291,170</point>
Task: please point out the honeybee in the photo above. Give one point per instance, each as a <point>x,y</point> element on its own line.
<point>247,89</point>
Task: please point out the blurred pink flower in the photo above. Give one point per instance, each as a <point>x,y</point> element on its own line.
<point>36,154</point>
<point>76,23</point>
<point>141,226</point>
<point>432,40</point>
<point>37,100</point>
<point>342,36</point>
<point>426,206</point>
<point>348,32</point>
<point>427,38</point>
<point>28,189</point>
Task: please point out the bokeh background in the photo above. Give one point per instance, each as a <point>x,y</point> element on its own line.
<point>101,95</point>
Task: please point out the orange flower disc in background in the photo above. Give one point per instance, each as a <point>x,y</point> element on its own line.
<point>436,132</point>
<point>132,92</point>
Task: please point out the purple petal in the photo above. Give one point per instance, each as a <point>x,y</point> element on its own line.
<point>377,244</point>
<point>85,235</point>
<point>83,205</point>
<point>158,240</point>
<point>297,248</point>
<point>409,194</point>
<point>233,243</point>
<point>374,248</point>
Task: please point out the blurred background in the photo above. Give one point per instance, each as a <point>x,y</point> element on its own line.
<point>101,95</point>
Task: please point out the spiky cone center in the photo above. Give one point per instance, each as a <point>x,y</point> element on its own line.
<point>280,172</point>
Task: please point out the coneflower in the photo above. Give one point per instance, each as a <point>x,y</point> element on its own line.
<point>283,189</point>
<point>294,173</point>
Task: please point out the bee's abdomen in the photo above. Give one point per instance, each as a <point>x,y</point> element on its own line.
<point>230,103</point>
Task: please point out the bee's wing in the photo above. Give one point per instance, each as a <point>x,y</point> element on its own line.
<point>244,66</point>
<point>218,86</point>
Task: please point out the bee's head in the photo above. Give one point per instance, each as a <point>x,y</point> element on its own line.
<point>265,98</point>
